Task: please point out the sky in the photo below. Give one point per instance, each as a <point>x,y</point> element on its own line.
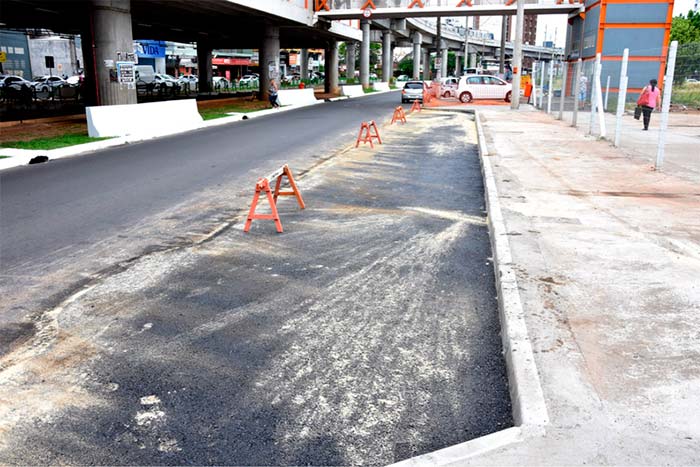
<point>556,24</point>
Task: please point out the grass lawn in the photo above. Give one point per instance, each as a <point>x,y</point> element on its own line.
<point>241,107</point>
<point>687,94</point>
<point>4,157</point>
<point>369,90</point>
<point>52,142</point>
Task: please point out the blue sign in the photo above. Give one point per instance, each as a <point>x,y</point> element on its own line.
<point>150,49</point>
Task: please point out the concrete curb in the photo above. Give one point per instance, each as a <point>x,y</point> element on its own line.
<point>20,157</point>
<point>529,408</point>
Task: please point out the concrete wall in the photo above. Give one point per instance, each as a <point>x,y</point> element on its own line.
<point>64,54</point>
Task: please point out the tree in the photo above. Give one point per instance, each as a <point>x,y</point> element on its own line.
<point>686,30</point>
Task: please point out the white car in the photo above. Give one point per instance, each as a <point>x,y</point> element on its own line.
<point>190,79</point>
<point>448,86</point>
<point>483,87</point>
<point>13,82</point>
<point>220,82</point>
<point>248,80</point>
<point>167,80</point>
<point>46,83</point>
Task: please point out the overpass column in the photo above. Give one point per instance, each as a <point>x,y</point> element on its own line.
<point>472,60</point>
<point>331,76</point>
<point>269,59</point>
<point>457,68</point>
<point>443,67</point>
<point>304,64</point>
<point>426,64</point>
<point>364,55</point>
<point>204,66</point>
<point>113,39</point>
<point>387,61</point>
<point>417,41</point>
<point>350,48</point>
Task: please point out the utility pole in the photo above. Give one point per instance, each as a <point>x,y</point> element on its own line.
<point>518,55</point>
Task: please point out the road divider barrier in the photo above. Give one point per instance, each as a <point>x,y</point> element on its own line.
<point>354,90</point>
<point>296,96</point>
<point>263,185</point>
<point>366,134</point>
<point>399,115</point>
<point>415,107</point>
<point>155,118</point>
<point>381,86</point>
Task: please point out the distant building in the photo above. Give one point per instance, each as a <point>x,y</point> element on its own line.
<point>15,46</point>
<point>65,50</point>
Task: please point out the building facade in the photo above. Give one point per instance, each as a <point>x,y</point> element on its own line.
<point>14,46</point>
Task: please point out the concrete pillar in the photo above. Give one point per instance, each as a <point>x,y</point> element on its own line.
<point>443,67</point>
<point>364,55</point>
<point>89,91</point>
<point>472,60</point>
<point>331,75</point>
<point>417,41</point>
<point>387,60</point>
<point>426,64</point>
<point>458,70</point>
<point>502,56</point>
<point>269,59</point>
<point>113,39</point>
<point>517,62</point>
<point>350,51</point>
<point>204,72</point>
<point>304,64</point>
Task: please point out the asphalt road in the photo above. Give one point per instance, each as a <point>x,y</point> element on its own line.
<point>64,221</point>
<point>365,334</point>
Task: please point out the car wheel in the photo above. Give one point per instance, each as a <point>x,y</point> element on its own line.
<point>446,94</point>
<point>508,95</point>
<point>465,97</point>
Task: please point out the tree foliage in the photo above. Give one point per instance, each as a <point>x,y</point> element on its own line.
<point>686,29</point>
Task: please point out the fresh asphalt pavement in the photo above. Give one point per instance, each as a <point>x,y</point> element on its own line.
<point>63,222</point>
<point>366,333</point>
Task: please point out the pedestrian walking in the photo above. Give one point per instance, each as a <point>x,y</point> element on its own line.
<point>582,91</point>
<point>272,94</point>
<point>649,100</point>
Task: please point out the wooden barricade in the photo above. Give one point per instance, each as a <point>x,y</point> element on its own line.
<point>399,115</point>
<point>263,185</point>
<point>366,135</point>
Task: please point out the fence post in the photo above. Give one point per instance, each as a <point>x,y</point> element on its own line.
<point>550,91</point>
<point>534,83</point>
<point>666,103</point>
<point>621,98</point>
<point>565,71</point>
<point>544,64</point>
<point>577,79</point>
<point>607,91</point>
<point>594,97</point>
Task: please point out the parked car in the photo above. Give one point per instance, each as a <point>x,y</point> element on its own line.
<point>412,90</point>
<point>47,83</point>
<point>373,76</point>
<point>448,86</point>
<point>191,79</point>
<point>14,82</point>
<point>294,77</point>
<point>144,74</point>
<point>402,78</point>
<point>249,80</point>
<point>220,83</point>
<point>691,81</point>
<point>74,80</point>
<point>483,87</point>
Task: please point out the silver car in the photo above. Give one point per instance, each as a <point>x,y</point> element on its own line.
<point>412,90</point>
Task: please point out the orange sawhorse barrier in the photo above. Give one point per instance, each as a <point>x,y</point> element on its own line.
<point>399,115</point>
<point>415,106</point>
<point>366,134</point>
<point>263,185</point>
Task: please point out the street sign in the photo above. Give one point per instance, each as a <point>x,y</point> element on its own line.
<point>3,57</point>
<point>49,61</point>
<point>367,13</point>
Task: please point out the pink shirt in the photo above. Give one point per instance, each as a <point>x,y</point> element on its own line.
<point>649,97</point>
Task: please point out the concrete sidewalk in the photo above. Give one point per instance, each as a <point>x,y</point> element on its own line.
<point>607,253</point>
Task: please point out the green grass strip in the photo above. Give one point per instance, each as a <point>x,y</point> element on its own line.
<point>54,142</point>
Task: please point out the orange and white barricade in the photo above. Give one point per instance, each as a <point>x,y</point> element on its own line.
<point>399,115</point>
<point>366,135</point>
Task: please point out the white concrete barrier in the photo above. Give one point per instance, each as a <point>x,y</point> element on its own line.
<point>353,90</point>
<point>156,118</point>
<point>296,96</point>
<point>381,86</point>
